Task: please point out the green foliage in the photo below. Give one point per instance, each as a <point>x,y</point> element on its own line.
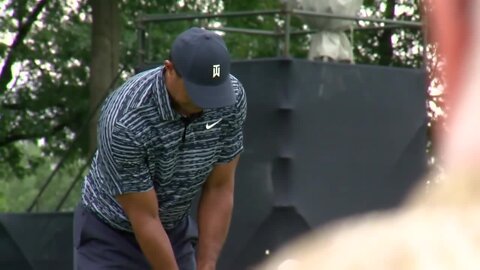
<point>246,46</point>
<point>401,47</point>
<point>49,94</point>
<point>19,191</point>
<point>160,36</point>
<point>47,98</point>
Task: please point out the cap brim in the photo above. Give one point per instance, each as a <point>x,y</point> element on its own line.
<point>210,97</point>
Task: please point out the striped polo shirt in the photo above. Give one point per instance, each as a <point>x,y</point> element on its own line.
<point>143,144</point>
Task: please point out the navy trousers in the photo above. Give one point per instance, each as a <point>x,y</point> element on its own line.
<point>98,246</point>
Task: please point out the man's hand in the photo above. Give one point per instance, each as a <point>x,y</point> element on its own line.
<point>214,213</point>
<point>142,211</point>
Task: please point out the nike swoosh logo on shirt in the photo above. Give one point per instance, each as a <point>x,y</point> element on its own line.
<point>209,126</point>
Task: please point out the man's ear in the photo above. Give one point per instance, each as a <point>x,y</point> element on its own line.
<point>169,67</point>
<point>168,64</point>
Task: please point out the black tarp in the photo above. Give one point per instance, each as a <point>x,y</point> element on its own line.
<point>322,141</point>
<point>36,241</point>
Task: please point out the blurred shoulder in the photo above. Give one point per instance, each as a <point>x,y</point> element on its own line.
<point>241,97</point>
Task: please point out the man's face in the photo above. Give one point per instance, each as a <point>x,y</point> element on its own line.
<point>176,88</point>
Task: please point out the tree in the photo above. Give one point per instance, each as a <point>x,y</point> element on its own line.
<point>390,46</point>
<point>46,98</point>
<point>105,57</point>
<point>46,95</point>
<point>59,67</point>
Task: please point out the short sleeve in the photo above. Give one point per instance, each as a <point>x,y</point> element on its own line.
<point>233,134</point>
<point>124,162</point>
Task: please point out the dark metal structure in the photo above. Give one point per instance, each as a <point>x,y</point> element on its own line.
<point>322,141</point>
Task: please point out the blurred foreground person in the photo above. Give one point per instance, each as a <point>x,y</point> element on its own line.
<point>435,229</point>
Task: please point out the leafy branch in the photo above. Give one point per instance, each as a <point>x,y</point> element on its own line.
<point>13,137</point>
<point>24,28</point>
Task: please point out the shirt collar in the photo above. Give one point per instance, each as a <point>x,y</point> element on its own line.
<point>163,99</point>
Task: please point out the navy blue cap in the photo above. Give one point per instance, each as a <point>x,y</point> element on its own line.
<point>202,59</point>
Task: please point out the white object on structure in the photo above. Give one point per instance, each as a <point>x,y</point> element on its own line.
<point>332,45</point>
<point>331,41</point>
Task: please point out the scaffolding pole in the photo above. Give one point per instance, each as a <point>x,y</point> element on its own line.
<point>244,31</point>
<point>180,17</point>
<point>356,18</point>
<point>150,18</point>
<point>284,33</point>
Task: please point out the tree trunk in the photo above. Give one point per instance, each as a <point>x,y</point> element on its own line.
<point>385,48</point>
<point>105,57</point>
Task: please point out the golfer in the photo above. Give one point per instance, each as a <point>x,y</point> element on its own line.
<point>164,136</point>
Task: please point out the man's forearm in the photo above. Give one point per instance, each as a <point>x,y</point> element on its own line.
<point>155,244</point>
<point>214,214</point>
